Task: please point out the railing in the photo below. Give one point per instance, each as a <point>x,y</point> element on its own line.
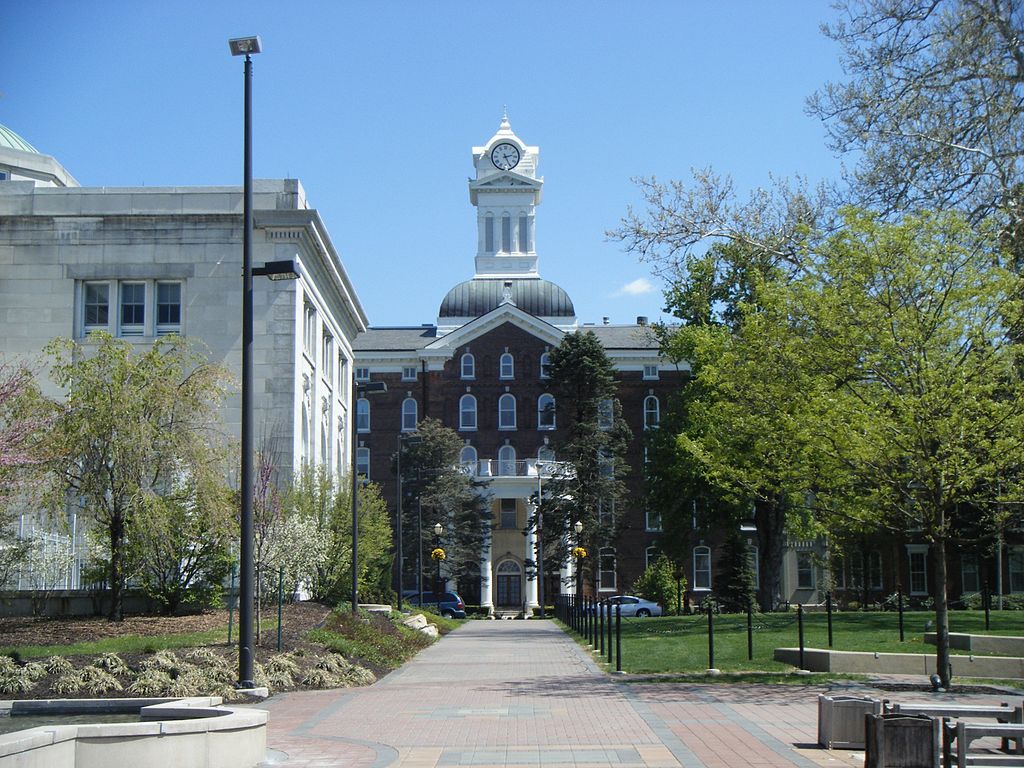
<point>543,468</point>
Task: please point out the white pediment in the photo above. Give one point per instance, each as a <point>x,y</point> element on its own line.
<point>506,180</point>
<point>504,313</point>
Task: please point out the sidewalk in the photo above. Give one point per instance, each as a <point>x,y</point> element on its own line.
<point>522,693</point>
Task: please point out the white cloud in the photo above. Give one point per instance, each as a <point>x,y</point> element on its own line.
<point>638,287</point>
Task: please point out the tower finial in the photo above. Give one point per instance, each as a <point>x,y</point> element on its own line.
<point>504,117</point>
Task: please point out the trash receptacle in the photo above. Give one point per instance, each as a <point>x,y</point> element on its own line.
<point>902,741</point>
<point>841,720</point>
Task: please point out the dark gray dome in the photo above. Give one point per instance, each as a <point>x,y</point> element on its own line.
<point>479,296</point>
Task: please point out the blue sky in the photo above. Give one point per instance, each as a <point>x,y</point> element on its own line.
<point>375,106</point>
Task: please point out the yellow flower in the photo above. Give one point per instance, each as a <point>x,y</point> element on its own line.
<point>437,554</point>
<point>579,552</point>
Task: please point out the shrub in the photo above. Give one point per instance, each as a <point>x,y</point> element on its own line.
<point>67,683</point>
<point>657,584</point>
<point>113,664</point>
<point>98,681</point>
<point>17,681</point>
<point>58,665</point>
<point>151,682</point>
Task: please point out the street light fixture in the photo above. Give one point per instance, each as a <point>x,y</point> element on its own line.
<point>246,46</point>
<point>578,527</point>
<point>438,530</point>
<point>358,388</point>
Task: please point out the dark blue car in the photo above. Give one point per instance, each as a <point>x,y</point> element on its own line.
<point>446,604</point>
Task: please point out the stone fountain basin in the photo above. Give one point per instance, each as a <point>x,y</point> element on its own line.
<point>195,731</point>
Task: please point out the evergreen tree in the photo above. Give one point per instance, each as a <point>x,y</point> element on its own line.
<point>592,489</point>
<point>447,495</point>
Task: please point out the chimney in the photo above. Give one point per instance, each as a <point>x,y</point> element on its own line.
<point>605,320</point>
<point>641,320</point>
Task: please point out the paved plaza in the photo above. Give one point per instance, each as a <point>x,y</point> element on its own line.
<point>523,693</point>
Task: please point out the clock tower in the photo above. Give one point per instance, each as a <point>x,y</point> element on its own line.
<point>506,192</point>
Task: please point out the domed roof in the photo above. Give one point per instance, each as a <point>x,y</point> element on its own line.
<point>472,298</point>
<point>10,140</point>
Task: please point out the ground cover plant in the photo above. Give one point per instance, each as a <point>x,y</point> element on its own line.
<point>679,644</point>
<point>190,655</point>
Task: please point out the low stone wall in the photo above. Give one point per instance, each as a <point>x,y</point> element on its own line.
<point>68,602</point>
<point>824,660</point>
<point>177,732</point>
<point>1001,645</point>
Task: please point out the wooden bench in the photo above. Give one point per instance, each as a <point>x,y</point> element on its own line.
<point>964,733</point>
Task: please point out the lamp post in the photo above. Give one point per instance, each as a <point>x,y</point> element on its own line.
<point>246,46</point>
<point>358,388</point>
<point>540,536</point>
<point>438,530</point>
<point>406,440</point>
<point>578,527</point>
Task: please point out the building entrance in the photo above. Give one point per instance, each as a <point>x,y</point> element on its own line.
<point>510,585</point>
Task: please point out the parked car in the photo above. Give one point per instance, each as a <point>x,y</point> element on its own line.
<point>446,604</point>
<point>631,606</point>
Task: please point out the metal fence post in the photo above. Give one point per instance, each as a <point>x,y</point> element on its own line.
<point>618,638</point>
<point>800,631</point>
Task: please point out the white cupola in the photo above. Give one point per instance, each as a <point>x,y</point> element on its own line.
<point>506,192</point>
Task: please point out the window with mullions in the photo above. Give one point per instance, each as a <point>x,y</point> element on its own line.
<point>363,463</point>
<point>508,514</point>
<point>362,415</point>
<point>702,568</point>
<point>168,308</point>
<point>409,414</point>
<point>507,461</point>
<point>133,309</point>
<point>507,367</point>
<point>507,411</point>
<point>918,562</point>
<point>467,412</point>
<point>606,572</point>
<point>970,578</point>
<point>546,412</point>
<point>652,412</point>
<point>653,520</point>
<point>545,365</point>
<point>96,303</point>
<point>309,330</point>
<point>805,570</point>
<point>467,366</point>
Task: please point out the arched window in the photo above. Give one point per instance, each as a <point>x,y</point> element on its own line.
<point>409,415</point>
<point>467,412</point>
<point>702,567</point>
<point>545,365</point>
<point>606,572</point>
<point>545,453</point>
<point>506,460</point>
<point>507,368</point>
<point>606,414</point>
<point>362,415</point>
<point>467,459</point>
<point>363,462</point>
<point>507,411</point>
<point>468,366</point>
<point>546,412</point>
<point>650,556</point>
<point>652,412</point>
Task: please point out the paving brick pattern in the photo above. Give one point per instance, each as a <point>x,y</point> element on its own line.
<point>518,693</point>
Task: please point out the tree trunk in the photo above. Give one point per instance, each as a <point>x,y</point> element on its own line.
<point>941,614</point>
<point>117,567</point>
<point>771,534</point>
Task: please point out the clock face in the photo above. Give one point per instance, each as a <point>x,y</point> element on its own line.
<point>505,156</point>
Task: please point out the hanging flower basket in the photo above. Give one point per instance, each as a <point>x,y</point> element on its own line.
<point>437,554</point>
<point>579,553</point>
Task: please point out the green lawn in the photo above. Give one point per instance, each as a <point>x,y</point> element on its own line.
<point>679,644</point>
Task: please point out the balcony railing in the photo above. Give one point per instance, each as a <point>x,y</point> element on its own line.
<point>542,468</point>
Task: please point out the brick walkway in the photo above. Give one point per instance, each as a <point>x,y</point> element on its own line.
<point>522,693</point>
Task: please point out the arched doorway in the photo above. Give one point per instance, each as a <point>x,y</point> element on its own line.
<point>510,585</point>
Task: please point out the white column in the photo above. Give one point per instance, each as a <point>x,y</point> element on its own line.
<point>486,577</point>
<point>531,584</point>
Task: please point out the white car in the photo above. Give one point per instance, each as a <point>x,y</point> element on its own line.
<point>631,606</point>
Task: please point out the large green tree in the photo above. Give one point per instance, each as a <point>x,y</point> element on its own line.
<point>909,327</point>
<point>592,489</point>
<point>445,494</point>
<point>132,425</point>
